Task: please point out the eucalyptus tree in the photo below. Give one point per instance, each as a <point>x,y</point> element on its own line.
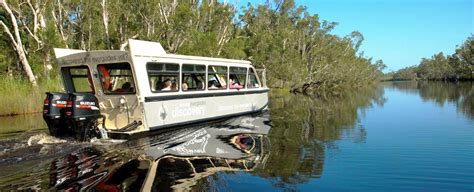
<point>299,50</point>
<point>458,66</point>
<point>463,59</point>
<point>15,25</point>
<point>296,47</point>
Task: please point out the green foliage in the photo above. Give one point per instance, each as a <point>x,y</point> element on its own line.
<point>299,52</point>
<point>458,66</point>
<point>434,68</point>
<point>294,46</point>
<point>408,73</point>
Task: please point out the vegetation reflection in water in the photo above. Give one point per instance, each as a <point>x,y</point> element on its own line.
<point>304,126</point>
<point>461,93</point>
<point>13,125</point>
<point>293,151</point>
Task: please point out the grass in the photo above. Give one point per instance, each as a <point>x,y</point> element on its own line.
<point>17,96</point>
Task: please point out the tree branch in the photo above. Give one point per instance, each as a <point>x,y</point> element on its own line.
<point>35,17</point>
<point>7,30</point>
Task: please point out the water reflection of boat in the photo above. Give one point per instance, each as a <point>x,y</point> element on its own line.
<point>176,160</point>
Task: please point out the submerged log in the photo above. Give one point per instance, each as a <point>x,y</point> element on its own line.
<point>306,87</point>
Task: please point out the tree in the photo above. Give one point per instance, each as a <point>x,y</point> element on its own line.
<point>463,59</point>
<point>10,27</point>
<point>296,47</point>
<point>408,73</point>
<point>435,68</point>
<point>457,66</point>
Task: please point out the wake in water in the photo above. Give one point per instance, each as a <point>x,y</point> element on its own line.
<point>34,147</point>
<point>42,146</point>
<point>44,139</point>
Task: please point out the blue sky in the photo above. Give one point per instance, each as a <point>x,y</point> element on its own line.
<point>400,32</point>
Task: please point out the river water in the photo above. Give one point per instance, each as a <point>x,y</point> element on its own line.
<point>395,136</point>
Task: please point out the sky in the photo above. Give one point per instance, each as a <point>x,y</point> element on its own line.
<point>400,32</point>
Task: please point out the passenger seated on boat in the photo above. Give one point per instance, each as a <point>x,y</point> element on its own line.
<point>158,85</point>
<point>184,86</point>
<point>126,87</point>
<point>200,85</point>
<point>233,84</point>
<point>174,86</point>
<point>166,85</point>
<point>213,84</point>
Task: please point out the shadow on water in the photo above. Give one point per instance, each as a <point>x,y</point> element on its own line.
<point>461,94</point>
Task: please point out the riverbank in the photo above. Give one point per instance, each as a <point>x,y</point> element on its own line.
<point>17,96</point>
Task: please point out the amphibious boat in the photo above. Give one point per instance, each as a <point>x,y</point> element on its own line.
<point>144,89</point>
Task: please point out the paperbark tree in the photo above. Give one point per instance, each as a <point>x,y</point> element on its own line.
<point>295,46</point>
<point>57,13</point>
<point>15,40</point>
<point>105,21</point>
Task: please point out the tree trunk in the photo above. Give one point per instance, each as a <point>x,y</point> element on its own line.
<point>17,43</point>
<point>58,20</point>
<point>105,21</point>
<point>47,63</point>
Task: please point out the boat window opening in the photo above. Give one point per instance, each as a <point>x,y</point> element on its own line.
<point>253,81</point>
<point>194,77</point>
<point>116,78</point>
<point>217,77</point>
<point>78,79</point>
<point>237,77</point>
<point>163,77</point>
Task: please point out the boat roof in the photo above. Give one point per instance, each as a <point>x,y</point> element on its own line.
<point>80,57</point>
<point>194,58</point>
<point>143,49</point>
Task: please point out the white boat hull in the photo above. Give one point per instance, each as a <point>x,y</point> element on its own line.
<point>168,111</point>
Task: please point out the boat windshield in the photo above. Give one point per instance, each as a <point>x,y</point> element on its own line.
<point>253,81</point>
<point>78,79</point>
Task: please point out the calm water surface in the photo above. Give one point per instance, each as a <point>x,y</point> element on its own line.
<point>397,136</point>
